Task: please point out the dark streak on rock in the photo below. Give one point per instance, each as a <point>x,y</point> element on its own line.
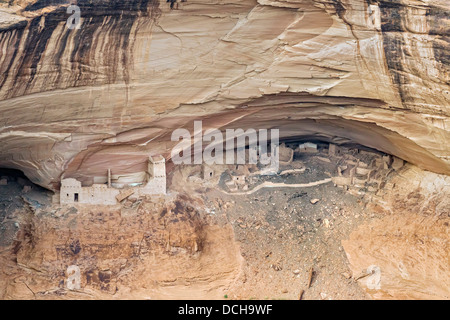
<point>396,50</point>
<point>393,43</point>
<point>441,49</point>
<point>121,15</point>
<point>439,26</point>
<point>15,47</point>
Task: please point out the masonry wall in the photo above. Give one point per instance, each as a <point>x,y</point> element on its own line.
<point>155,186</point>
<point>99,194</point>
<point>70,188</point>
<point>157,181</point>
<point>157,169</point>
<point>72,193</point>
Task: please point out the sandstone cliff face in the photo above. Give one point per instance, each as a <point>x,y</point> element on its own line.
<point>150,250</point>
<point>409,244</point>
<point>77,102</point>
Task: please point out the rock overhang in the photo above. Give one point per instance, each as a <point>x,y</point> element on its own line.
<point>321,73</point>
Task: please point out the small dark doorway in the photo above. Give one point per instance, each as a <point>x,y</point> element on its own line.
<point>76,197</point>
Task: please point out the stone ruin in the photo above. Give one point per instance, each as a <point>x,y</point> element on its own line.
<point>26,185</point>
<point>351,168</point>
<point>285,154</point>
<point>207,172</point>
<point>237,182</point>
<point>352,172</point>
<point>73,192</point>
<point>156,179</point>
<point>355,173</point>
<point>3,181</point>
<point>307,147</point>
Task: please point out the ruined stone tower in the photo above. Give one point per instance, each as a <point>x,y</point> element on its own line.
<point>156,183</point>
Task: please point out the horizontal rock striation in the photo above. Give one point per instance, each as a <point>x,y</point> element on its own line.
<point>75,103</point>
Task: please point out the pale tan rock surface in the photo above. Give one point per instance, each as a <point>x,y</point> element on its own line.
<point>411,252</point>
<point>409,244</point>
<point>77,102</point>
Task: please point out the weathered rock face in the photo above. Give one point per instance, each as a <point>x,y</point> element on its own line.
<point>77,102</point>
<point>409,246</point>
<point>148,250</point>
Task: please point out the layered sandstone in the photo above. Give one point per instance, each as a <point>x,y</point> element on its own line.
<point>75,103</point>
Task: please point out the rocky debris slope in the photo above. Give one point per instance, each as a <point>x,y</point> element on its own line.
<point>159,249</point>
<point>404,254</point>
<point>323,242</point>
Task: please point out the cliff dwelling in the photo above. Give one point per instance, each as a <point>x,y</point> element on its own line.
<point>72,192</point>
<point>328,123</point>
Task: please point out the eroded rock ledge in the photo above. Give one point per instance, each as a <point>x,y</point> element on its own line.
<point>76,102</point>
